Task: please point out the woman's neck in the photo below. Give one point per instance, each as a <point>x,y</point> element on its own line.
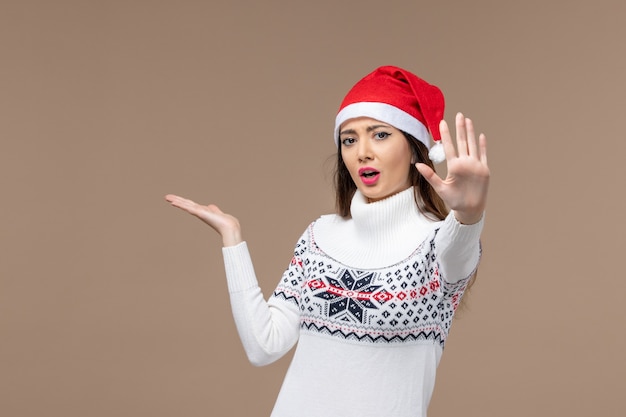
<point>378,234</point>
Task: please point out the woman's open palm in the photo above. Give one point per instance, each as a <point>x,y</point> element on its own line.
<point>464,189</point>
<point>225,224</point>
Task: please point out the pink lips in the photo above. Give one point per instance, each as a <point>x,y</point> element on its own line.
<point>369,176</point>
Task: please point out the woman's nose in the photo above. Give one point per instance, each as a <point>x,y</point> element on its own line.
<point>364,151</point>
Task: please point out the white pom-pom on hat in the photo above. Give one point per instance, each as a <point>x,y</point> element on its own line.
<point>436,153</point>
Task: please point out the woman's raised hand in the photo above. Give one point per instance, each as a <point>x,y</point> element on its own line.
<point>226,225</point>
<point>464,189</point>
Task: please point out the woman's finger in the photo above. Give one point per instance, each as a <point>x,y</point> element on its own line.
<point>174,200</point>
<point>446,140</point>
<point>189,206</point>
<point>472,149</point>
<point>482,144</point>
<point>430,176</point>
<point>214,209</point>
<point>461,135</point>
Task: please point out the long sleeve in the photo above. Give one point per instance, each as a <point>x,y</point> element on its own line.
<point>268,329</point>
<point>458,248</point>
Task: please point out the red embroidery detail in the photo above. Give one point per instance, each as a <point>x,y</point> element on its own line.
<point>316,284</point>
<point>359,295</point>
<point>296,261</point>
<point>382,296</point>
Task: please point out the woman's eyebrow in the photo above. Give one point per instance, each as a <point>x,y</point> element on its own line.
<point>374,127</point>
<point>347,132</point>
<point>367,129</point>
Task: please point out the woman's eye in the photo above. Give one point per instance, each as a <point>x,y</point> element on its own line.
<point>348,141</point>
<point>381,135</point>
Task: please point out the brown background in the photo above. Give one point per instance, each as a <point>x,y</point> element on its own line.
<point>112,303</point>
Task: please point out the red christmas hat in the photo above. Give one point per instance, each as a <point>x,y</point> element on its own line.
<point>402,99</point>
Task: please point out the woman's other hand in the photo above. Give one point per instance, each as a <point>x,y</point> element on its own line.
<point>464,189</point>
<point>226,225</point>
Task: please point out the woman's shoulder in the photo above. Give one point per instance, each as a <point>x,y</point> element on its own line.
<point>332,218</point>
<point>323,221</point>
<point>329,223</point>
<point>323,225</point>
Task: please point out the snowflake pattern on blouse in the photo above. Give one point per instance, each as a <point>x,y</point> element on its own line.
<point>405,302</point>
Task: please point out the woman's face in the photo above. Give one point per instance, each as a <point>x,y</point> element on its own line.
<point>377,155</point>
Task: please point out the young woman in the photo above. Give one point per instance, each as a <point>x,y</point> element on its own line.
<point>371,291</point>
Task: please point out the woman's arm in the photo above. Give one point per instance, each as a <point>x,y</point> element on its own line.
<point>464,190</point>
<point>458,248</point>
<point>268,329</point>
